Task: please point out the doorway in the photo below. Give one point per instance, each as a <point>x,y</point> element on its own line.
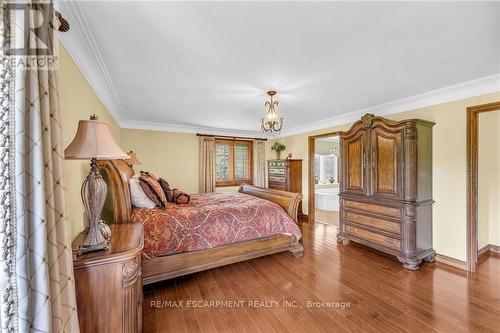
<point>473,136</point>
<point>324,155</point>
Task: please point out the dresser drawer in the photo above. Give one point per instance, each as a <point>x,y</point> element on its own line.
<point>276,171</point>
<point>276,163</point>
<point>376,209</point>
<point>373,237</point>
<point>277,179</point>
<point>373,222</point>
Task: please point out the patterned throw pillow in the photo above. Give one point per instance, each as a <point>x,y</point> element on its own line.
<point>167,189</point>
<point>156,187</point>
<point>147,173</point>
<point>150,193</point>
<point>181,197</point>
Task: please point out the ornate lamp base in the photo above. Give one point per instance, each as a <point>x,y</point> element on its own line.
<point>93,193</point>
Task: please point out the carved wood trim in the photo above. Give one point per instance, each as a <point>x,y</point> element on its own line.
<point>130,272</point>
<point>132,295</point>
<point>472,179</point>
<point>367,121</point>
<point>411,133</point>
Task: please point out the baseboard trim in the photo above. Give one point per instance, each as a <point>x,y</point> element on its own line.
<point>488,249</point>
<point>460,264</point>
<point>483,251</point>
<point>494,249</point>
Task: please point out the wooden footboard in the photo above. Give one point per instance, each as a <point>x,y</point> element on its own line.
<point>168,267</point>
<point>289,201</point>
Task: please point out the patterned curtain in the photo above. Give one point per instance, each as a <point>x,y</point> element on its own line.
<point>259,163</point>
<point>41,297</point>
<point>8,304</point>
<point>207,164</point>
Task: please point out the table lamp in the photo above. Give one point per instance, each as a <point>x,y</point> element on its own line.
<point>93,140</point>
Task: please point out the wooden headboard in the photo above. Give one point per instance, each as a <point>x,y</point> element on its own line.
<point>119,172</point>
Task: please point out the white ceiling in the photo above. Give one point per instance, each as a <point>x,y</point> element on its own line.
<point>191,66</point>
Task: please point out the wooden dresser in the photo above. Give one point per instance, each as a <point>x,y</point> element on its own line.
<point>285,175</point>
<point>386,187</point>
<point>108,283</point>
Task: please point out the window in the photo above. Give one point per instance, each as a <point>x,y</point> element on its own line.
<point>233,162</point>
<point>325,168</point>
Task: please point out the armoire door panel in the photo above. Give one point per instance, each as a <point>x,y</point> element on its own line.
<point>386,169</point>
<point>354,160</point>
<point>354,163</point>
<point>386,163</point>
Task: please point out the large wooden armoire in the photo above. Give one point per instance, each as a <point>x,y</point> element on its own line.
<point>386,187</point>
<point>285,175</point>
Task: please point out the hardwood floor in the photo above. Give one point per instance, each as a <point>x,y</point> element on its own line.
<point>327,216</point>
<point>383,297</point>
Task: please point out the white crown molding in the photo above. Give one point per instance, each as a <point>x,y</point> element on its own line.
<point>163,127</point>
<point>81,46</point>
<point>481,86</point>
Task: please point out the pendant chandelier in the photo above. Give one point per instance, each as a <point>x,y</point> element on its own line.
<point>270,123</point>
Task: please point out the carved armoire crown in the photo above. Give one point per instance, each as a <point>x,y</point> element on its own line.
<point>386,187</point>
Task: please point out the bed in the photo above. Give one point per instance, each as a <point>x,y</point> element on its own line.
<point>215,229</point>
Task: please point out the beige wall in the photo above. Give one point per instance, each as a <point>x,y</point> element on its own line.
<point>449,168</point>
<point>489,179</point>
<point>173,156</point>
<point>78,101</point>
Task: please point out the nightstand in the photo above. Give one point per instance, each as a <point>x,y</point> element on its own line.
<point>108,283</point>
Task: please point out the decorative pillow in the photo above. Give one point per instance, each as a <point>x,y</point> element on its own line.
<point>167,189</point>
<point>156,187</point>
<point>150,193</point>
<point>139,198</point>
<point>180,197</point>
<point>147,173</point>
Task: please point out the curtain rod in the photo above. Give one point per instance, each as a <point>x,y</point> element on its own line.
<point>230,137</point>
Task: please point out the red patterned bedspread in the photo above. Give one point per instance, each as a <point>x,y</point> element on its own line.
<point>209,221</point>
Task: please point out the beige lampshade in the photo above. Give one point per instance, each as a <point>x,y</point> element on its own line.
<point>93,139</point>
<point>132,160</point>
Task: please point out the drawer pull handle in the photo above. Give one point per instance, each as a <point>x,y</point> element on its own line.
<point>390,241</point>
